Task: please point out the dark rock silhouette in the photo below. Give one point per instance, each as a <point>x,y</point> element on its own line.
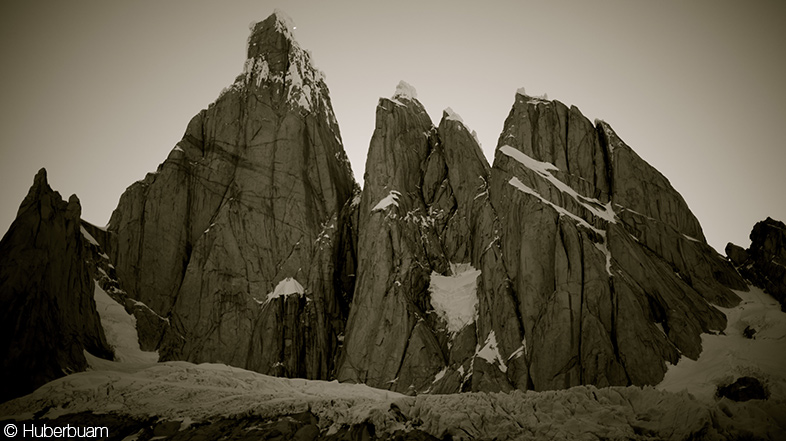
<point>48,316</point>
<point>764,263</point>
<point>744,389</point>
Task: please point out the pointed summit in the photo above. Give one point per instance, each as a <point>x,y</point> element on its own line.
<point>278,67</point>
<point>248,201</point>
<point>277,25</point>
<point>49,318</point>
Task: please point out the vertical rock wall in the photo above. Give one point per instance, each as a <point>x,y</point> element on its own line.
<point>248,202</point>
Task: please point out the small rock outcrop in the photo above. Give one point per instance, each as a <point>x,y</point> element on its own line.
<point>744,389</point>
<point>764,263</point>
<point>234,238</point>
<point>49,316</point>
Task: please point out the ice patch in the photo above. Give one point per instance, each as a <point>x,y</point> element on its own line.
<point>691,238</point>
<point>120,329</point>
<point>451,115</point>
<point>521,351</point>
<point>454,297</point>
<point>286,287</point>
<point>406,91</point>
<point>535,98</point>
<point>514,181</point>
<point>605,250</point>
<point>390,199</point>
<point>475,137</point>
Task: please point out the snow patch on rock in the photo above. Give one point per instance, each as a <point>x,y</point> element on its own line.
<point>390,199</point>
<point>286,287</point>
<point>88,236</point>
<point>454,297</point>
<point>490,352</point>
<point>406,91</point>
<point>543,169</point>
<point>515,182</point>
<point>453,116</point>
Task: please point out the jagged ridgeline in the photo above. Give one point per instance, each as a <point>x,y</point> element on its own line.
<point>569,261</point>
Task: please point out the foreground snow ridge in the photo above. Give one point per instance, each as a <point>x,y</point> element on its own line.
<point>188,393</point>
<point>454,297</point>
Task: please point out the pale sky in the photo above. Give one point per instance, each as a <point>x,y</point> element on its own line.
<point>99,92</point>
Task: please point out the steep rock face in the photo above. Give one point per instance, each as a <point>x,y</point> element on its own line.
<point>150,327</point>
<point>584,265</point>
<point>431,291</point>
<point>608,265</point>
<point>764,263</point>
<point>233,238</point>
<point>49,316</point>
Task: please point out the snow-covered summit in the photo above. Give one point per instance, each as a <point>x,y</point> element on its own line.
<point>265,67</point>
<point>283,21</point>
<point>405,90</point>
<point>450,114</point>
<point>521,91</point>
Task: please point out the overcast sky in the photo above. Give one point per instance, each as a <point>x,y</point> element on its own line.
<point>99,92</point>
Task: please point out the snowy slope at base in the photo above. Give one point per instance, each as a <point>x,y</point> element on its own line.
<point>188,392</point>
<point>726,357</point>
<point>181,391</point>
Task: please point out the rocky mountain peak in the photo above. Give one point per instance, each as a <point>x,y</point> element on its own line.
<point>569,261</point>
<point>48,317</point>
<point>764,262</point>
<point>250,198</point>
<point>278,69</point>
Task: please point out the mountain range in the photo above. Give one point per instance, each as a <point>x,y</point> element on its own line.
<point>567,262</point>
